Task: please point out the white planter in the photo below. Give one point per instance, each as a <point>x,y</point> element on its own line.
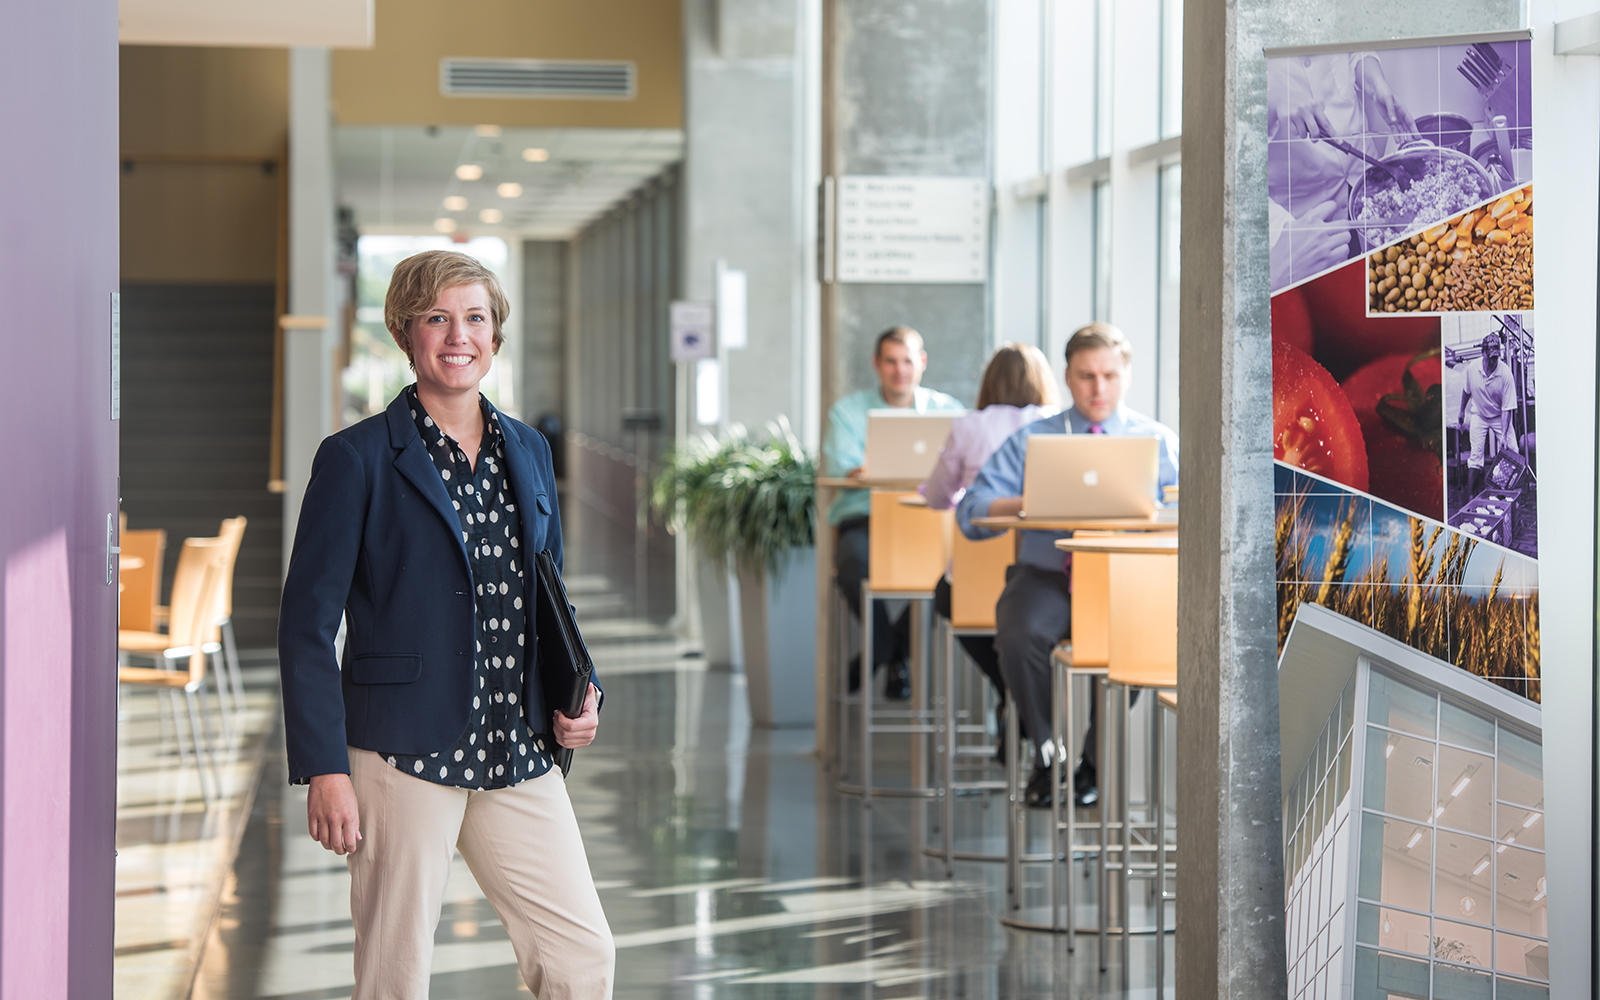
<point>719,627</point>
<point>779,616</point>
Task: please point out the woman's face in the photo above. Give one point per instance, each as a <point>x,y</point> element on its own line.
<point>452,344</point>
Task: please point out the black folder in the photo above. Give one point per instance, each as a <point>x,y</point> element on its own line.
<point>564,664</point>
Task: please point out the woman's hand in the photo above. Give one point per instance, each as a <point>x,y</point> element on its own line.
<point>579,732</point>
<point>331,813</point>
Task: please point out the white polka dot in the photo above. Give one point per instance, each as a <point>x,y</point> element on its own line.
<point>496,549</point>
<point>511,661</point>
<point>522,748</point>
<point>505,624</point>
<point>467,487</point>
<point>494,515</point>
<point>413,414</point>
<point>480,645</point>
<point>511,506</point>
<point>483,755</point>
<point>392,761</point>
<point>463,536</point>
<point>519,638</point>
<point>480,590</point>
<point>495,660</point>
<point>486,484</point>
<point>517,603</point>
<point>512,697</point>
<point>475,702</point>
<point>480,518</point>
<point>499,769</point>
<point>445,473</point>
<point>459,755</point>
<point>504,587</point>
<point>443,771</point>
<point>472,738</point>
<point>513,542</point>
<point>427,421</point>
<point>467,774</point>
<point>498,697</point>
<point>457,503</point>
<point>417,767</point>
<point>539,744</point>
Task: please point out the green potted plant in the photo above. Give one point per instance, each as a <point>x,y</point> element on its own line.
<point>750,505</point>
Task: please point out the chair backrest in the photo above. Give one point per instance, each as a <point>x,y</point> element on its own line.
<point>1143,598</point>
<point>977,576</point>
<point>909,546</point>
<point>200,629</point>
<point>187,613</point>
<point>232,532</point>
<point>141,586</point>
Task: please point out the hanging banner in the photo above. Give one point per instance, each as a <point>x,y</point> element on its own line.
<point>1404,434</point>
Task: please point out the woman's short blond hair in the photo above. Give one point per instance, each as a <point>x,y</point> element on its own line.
<point>421,278</point>
<point>1017,375</point>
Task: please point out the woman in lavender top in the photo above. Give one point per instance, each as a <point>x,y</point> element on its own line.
<point>1017,389</point>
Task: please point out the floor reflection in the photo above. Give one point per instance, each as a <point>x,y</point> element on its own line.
<point>727,863</point>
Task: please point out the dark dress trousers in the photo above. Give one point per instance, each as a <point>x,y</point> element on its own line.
<point>379,542</point>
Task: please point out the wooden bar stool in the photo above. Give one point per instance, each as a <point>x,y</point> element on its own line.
<point>909,546</point>
<point>1143,605</point>
<point>977,576</point>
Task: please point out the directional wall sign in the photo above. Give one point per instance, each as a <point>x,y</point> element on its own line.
<point>691,331</point>
<point>913,230</point>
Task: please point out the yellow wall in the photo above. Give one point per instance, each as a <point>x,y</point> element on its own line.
<point>397,81</point>
<point>201,221</point>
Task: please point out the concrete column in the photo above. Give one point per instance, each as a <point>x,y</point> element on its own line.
<point>310,329</point>
<point>1230,881</point>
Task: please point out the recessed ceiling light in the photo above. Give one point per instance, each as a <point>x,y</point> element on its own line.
<point>1460,785</point>
<point>445,225</point>
<point>535,155</point>
<point>510,189</point>
<point>456,203</point>
<point>1532,819</point>
<point>469,171</point>
<point>1481,866</point>
<point>488,131</point>
<point>1413,841</point>
<point>490,215</point>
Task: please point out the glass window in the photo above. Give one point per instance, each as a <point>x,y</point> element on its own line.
<point>1464,728</point>
<point>1389,977</point>
<point>1463,878</point>
<point>1520,892</point>
<point>1395,861</point>
<point>1171,68</point>
<point>1520,825</point>
<point>1515,989</point>
<point>1461,943</point>
<point>1102,251</point>
<point>1521,769</point>
<point>1521,956</point>
<point>1398,705</point>
<point>1455,983</point>
<point>1399,775</point>
<point>1466,802</point>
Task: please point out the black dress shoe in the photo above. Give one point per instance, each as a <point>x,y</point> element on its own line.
<point>1085,785</point>
<point>1037,794</point>
<point>898,686</point>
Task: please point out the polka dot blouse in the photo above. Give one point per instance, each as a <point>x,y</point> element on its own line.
<point>499,748</point>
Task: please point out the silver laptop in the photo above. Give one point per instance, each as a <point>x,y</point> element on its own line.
<point>1090,475</point>
<point>904,444</point>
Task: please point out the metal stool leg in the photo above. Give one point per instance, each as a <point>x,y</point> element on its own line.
<point>948,788</point>
<point>867,672</point>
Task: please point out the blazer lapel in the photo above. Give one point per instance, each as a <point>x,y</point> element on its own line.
<point>524,482</point>
<point>413,463</point>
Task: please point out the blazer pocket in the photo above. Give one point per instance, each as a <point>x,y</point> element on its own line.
<point>542,502</point>
<point>385,668</point>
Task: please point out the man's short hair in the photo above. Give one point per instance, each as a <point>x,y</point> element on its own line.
<point>1096,336</point>
<point>905,336</point>
<point>419,280</point>
<point>1490,340</point>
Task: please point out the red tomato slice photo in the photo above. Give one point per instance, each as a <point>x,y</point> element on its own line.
<point>1402,422</point>
<point>1345,336</point>
<point>1313,424</point>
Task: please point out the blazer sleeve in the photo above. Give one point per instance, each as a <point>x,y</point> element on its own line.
<point>327,543</point>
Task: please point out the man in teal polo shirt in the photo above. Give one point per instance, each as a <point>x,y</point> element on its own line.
<point>899,360</point>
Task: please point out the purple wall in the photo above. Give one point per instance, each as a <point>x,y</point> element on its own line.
<point>58,468</point>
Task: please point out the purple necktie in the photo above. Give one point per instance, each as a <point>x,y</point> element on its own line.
<point>1096,429</point>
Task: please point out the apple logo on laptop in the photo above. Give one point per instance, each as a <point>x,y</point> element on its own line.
<point>1091,478</point>
<point>919,447</point>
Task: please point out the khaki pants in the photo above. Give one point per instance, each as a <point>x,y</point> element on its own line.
<point>522,845</point>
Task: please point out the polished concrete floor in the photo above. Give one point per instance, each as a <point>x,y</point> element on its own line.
<point>727,863</point>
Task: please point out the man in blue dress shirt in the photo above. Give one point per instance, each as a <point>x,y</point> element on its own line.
<point>1034,612</point>
<point>899,361</point>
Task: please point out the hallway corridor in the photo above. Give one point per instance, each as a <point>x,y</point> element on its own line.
<point>727,863</point>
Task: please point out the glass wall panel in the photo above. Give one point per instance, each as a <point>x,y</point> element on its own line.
<point>1465,728</point>
<point>1466,800</point>
<point>1399,775</point>
<point>1521,770</point>
<point>1398,705</point>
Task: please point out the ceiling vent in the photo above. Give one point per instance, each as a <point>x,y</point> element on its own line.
<point>566,78</point>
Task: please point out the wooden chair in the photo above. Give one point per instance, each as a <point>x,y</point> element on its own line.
<point>232,533</point>
<point>909,548</point>
<point>192,621</point>
<point>977,576</point>
<point>204,572</point>
<point>141,587</point>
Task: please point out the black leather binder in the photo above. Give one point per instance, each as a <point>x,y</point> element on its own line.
<point>564,664</point>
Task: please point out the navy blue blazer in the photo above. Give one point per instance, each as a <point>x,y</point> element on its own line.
<point>379,543</point>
